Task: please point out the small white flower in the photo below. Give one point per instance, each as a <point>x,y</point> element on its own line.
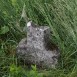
<point>41,29</point>
<point>29,23</point>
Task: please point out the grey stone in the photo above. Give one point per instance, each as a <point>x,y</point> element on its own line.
<point>37,47</point>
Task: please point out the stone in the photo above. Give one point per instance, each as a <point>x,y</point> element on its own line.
<point>37,47</point>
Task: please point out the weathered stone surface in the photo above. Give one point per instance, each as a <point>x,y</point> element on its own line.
<point>37,48</point>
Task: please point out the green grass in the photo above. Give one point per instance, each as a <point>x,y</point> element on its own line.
<point>60,15</point>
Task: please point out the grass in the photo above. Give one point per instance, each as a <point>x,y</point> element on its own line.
<point>60,15</point>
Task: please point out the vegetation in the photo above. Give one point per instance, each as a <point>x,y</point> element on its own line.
<point>60,15</point>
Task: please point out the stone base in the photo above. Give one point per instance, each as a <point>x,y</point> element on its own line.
<point>35,48</point>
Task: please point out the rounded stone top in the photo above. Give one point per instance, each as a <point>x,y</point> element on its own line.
<point>30,23</point>
<point>34,27</point>
<point>43,28</point>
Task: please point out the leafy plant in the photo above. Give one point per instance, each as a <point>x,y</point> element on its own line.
<point>34,72</point>
<point>16,71</point>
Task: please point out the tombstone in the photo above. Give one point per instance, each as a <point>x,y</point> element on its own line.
<point>37,47</point>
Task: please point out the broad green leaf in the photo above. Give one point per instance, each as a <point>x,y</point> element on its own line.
<point>4,29</point>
